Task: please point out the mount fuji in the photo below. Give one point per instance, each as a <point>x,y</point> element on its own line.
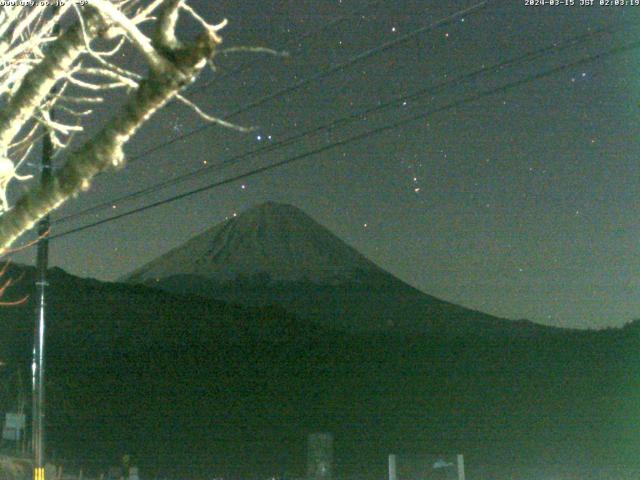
<point>275,253</point>
<point>271,240</point>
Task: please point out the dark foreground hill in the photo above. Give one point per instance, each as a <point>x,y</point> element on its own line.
<point>197,388</point>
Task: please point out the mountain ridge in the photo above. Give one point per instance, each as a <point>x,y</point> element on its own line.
<point>274,253</point>
<point>271,237</point>
<point>187,385</point>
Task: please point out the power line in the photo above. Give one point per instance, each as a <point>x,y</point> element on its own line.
<point>396,101</point>
<point>199,88</point>
<point>363,55</point>
<point>320,75</point>
<point>299,39</point>
<point>360,136</point>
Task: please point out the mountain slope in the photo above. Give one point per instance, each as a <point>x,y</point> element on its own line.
<point>276,254</point>
<point>192,388</point>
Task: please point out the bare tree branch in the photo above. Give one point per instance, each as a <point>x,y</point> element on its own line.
<point>35,58</point>
<point>40,80</point>
<point>106,148</point>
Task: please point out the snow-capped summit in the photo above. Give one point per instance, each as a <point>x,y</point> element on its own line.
<point>272,240</point>
<point>274,253</point>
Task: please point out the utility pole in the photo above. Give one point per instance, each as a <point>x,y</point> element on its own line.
<point>38,366</point>
<point>393,471</point>
<point>42,263</point>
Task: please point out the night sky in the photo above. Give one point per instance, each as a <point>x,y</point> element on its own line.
<point>522,204</point>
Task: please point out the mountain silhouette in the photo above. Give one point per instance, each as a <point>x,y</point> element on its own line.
<point>275,253</point>
<point>192,387</point>
<point>273,240</point>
